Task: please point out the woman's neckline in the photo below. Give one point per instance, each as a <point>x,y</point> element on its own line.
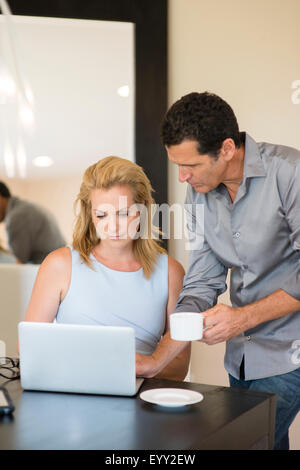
<point>115,270</point>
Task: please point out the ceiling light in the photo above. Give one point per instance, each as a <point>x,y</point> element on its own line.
<point>123,91</point>
<point>43,161</point>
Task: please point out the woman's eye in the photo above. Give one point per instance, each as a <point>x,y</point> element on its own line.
<point>100,216</point>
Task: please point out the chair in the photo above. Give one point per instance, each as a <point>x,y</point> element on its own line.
<point>16,283</point>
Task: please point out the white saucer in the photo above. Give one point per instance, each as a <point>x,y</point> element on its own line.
<point>171,396</point>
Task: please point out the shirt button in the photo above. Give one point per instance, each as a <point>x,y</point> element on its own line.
<point>248,338</point>
<point>237,235</point>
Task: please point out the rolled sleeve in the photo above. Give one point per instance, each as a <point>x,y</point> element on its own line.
<point>204,282</point>
<point>206,276</point>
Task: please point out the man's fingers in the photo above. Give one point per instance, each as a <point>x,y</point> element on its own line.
<point>213,315</point>
<point>212,335</point>
<point>208,322</point>
<point>209,312</point>
<point>210,318</point>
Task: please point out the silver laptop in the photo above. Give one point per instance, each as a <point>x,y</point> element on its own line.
<point>78,358</point>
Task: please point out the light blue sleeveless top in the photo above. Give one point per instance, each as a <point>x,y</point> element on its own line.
<point>104,296</point>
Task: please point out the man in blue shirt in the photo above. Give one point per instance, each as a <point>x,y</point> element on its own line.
<point>250,193</point>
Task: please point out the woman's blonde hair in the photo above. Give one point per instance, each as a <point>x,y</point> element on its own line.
<point>109,172</point>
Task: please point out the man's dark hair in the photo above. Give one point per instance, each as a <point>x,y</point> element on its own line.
<point>204,117</point>
<point>4,191</point>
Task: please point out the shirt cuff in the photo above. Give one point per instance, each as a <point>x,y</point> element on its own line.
<point>190,303</point>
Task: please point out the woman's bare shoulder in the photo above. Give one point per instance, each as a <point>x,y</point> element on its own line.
<point>175,268</point>
<point>58,260</point>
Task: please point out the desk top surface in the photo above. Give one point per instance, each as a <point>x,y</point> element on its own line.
<point>43,420</point>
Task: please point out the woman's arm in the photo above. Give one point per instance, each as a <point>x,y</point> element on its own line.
<point>171,358</point>
<point>51,285</point>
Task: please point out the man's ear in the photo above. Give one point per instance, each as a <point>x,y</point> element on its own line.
<point>228,149</point>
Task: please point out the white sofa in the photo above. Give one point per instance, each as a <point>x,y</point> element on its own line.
<point>16,283</point>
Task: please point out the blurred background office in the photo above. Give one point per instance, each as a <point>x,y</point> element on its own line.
<point>245,51</point>
<point>32,231</point>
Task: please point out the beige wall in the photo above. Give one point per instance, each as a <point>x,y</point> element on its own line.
<point>248,53</point>
<point>58,195</point>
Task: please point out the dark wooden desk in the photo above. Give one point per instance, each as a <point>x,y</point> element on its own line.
<point>225,419</point>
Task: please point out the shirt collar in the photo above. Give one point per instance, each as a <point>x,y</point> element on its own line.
<point>253,165</point>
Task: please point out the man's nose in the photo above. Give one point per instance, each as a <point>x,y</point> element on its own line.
<point>184,174</point>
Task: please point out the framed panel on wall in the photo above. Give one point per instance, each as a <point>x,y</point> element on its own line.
<point>138,30</point>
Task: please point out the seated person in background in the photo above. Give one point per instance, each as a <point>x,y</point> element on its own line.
<point>6,257</point>
<point>31,230</point>
<point>113,274</point>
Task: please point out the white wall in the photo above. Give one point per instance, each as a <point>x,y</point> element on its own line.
<point>248,53</point>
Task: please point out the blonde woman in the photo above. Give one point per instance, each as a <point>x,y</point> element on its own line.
<point>115,272</point>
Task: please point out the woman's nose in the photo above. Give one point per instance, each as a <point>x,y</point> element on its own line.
<point>113,224</point>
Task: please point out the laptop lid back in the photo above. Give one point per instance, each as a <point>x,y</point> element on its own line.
<point>77,358</point>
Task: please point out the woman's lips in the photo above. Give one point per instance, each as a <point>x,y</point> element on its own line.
<point>117,237</point>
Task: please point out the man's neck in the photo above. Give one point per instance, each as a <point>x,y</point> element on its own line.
<point>235,172</point>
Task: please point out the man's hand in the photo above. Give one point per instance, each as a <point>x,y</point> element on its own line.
<point>223,322</point>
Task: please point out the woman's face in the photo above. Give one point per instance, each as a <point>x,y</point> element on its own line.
<point>114,215</point>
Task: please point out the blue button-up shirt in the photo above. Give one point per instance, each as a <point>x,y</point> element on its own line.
<point>257,237</point>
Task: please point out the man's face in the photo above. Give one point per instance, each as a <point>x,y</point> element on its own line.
<point>202,172</point>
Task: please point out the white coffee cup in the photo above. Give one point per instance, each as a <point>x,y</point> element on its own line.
<point>186,326</point>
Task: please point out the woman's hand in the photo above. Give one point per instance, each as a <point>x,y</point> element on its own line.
<point>146,366</point>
